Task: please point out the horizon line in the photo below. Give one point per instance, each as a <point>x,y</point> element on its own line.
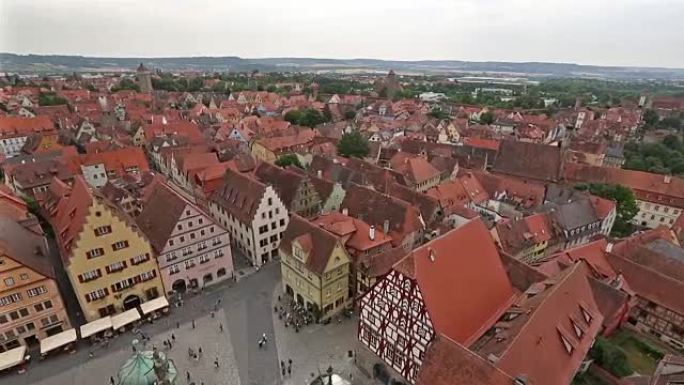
<point>340,59</point>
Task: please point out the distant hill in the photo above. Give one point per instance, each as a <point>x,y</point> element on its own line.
<point>67,64</point>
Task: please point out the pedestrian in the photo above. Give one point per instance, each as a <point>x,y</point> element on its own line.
<point>282,364</point>
<point>193,324</point>
<point>283,371</point>
<point>221,327</point>
<point>289,370</point>
<point>216,364</point>
<point>212,314</point>
<point>200,351</point>
<point>111,380</point>
<point>219,301</point>
<point>289,361</point>
<point>187,375</point>
<point>177,325</point>
<point>190,352</point>
<point>173,337</point>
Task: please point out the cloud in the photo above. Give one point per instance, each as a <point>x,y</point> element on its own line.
<point>627,32</point>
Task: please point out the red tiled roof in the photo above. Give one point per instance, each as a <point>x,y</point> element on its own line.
<point>531,344</point>
<point>656,188</point>
<point>447,362</point>
<point>118,161</point>
<point>356,231</point>
<point>462,280</point>
<point>180,128</point>
<point>11,126</point>
<point>487,144</point>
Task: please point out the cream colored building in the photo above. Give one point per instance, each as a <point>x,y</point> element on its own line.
<point>253,213</point>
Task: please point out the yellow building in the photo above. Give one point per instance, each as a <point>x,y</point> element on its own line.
<point>261,152</point>
<point>31,307</point>
<point>315,267</point>
<point>108,261</point>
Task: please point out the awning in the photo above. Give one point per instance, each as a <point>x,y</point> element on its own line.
<point>155,304</point>
<point>123,319</point>
<point>12,357</point>
<point>96,326</point>
<point>58,340</point>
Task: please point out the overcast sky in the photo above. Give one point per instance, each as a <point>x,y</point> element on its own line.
<point>606,32</point>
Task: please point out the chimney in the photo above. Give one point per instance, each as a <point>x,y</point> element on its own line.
<point>609,247</point>
<point>371,233</point>
<point>432,254</point>
<point>668,179</point>
<point>385,226</point>
<point>520,380</point>
<point>345,211</point>
<point>319,173</point>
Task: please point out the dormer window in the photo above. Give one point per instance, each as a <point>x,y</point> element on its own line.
<point>569,348</point>
<point>579,332</point>
<point>587,316</point>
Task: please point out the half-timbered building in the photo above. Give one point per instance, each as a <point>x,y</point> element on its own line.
<point>454,285</point>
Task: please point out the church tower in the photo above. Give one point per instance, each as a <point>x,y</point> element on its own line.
<point>144,78</point>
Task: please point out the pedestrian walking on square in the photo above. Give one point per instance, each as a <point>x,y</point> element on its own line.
<point>212,314</point>
<point>216,364</point>
<point>283,371</point>
<point>187,375</point>
<point>193,324</point>
<point>221,328</point>
<point>111,380</point>
<point>289,361</point>
<point>173,337</point>
<point>289,370</point>
<point>200,351</point>
<point>177,325</point>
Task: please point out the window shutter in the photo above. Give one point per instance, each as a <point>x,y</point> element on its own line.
<point>106,291</point>
<point>80,278</point>
<point>87,297</point>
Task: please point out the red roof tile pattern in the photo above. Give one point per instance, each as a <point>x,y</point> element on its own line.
<point>462,281</point>
<point>447,362</point>
<point>656,188</point>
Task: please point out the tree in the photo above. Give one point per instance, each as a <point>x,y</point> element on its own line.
<point>610,357</point>
<point>438,113</point>
<point>650,118</point>
<point>126,84</point>
<point>349,114</point>
<point>308,118</point>
<point>626,207</point>
<point>487,117</point>
<point>287,160</point>
<point>293,116</point>
<point>353,144</point>
<point>51,99</point>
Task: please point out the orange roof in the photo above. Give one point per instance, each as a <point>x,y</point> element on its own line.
<point>602,206</point>
<point>415,168</point>
<point>462,280</point>
<point>593,253</point>
<point>539,227</point>
<point>180,128</point>
<point>67,208</point>
<point>118,161</point>
<point>14,125</point>
<point>487,144</point>
<point>647,186</point>
<point>355,231</point>
<point>534,343</point>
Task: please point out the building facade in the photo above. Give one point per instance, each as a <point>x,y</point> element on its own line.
<point>192,249</point>
<point>31,307</point>
<point>253,213</point>
<point>315,267</point>
<point>109,261</point>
